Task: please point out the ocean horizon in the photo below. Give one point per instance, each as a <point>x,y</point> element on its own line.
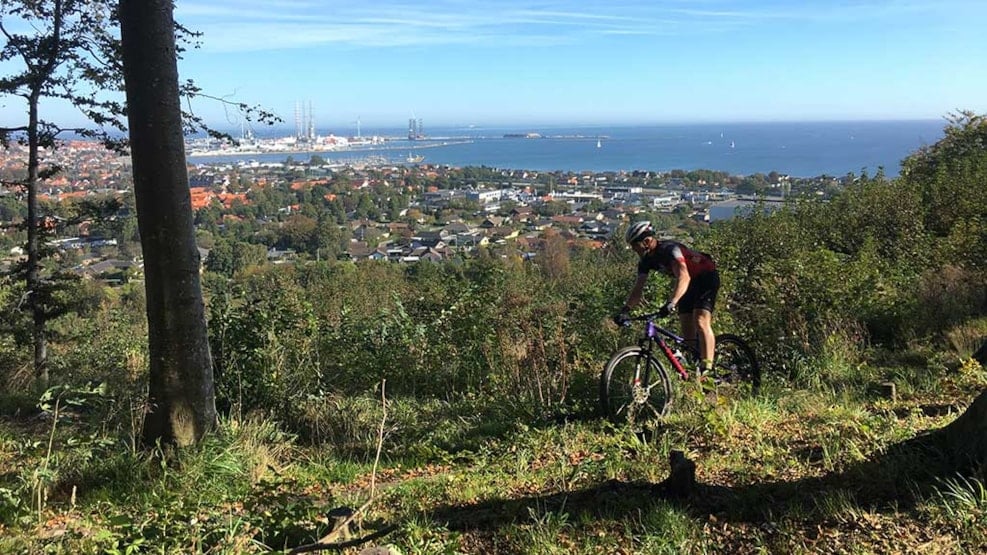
<point>801,149</point>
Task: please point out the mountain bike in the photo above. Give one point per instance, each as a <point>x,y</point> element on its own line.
<point>635,386</point>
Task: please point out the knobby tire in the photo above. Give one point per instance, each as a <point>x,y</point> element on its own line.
<point>617,392</point>
<point>735,362</point>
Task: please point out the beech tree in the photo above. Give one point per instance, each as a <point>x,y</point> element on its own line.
<point>70,53</point>
<point>181,394</point>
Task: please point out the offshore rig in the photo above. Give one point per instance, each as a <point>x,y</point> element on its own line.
<point>416,129</point>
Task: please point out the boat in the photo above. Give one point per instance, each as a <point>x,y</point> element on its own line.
<point>414,159</point>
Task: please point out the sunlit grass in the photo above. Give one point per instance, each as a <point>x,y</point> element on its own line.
<point>575,487</point>
<point>663,528</point>
<point>958,505</point>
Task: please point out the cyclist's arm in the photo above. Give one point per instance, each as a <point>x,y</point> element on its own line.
<point>682,279</point>
<point>635,296</point>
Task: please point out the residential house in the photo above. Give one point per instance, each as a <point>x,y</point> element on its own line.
<point>665,201</point>
<point>491,222</point>
<point>468,239</point>
<point>540,224</point>
<point>433,239</point>
<point>457,228</point>
<point>521,213</point>
<point>439,199</point>
<point>593,228</point>
<point>280,256</point>
<point>110,270</point>
<point>566,220</point>
<point>502,233</point>
<point>359,250</point>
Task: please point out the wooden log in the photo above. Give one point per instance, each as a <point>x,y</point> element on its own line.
<point>889,391</point>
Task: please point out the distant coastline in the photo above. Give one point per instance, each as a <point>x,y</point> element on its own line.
<point>804,149</point>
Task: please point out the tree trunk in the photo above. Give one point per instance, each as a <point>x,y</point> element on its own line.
<point>966,437</point>
<point>180,395</point>
<point>33,277</point>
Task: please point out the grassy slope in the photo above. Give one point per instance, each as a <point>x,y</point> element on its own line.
<point>802,468</point>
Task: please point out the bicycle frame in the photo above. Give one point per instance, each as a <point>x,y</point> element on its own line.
<point>633,371</point>
<point>656,335</point>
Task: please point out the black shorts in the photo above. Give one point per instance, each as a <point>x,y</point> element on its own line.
<point>701,293</point>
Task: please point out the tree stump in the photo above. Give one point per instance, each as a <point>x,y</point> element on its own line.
<point>889,391</point>
<point>682,480</point>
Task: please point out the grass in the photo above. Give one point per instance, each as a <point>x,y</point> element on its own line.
<point>800,469</point>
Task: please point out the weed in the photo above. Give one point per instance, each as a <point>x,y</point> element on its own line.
<point>663,528</point>
<point>962,502</point>
<point>840,505</point>
<point>964,499</point>
<point>546,532</point>
<point>419,536</point>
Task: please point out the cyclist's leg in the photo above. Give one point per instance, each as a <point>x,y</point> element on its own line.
<point>707,339</point>
<point>687,322</point>
<point>707,288</point>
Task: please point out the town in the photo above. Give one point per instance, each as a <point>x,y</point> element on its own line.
<point>249,213</point>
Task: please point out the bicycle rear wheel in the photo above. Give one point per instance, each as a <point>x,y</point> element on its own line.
<point>735,364</point>
<point>635,389</point>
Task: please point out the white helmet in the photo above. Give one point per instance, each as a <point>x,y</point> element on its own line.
<point>638,231</point>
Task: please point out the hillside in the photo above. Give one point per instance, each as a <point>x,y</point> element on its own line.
<point>453,406</point>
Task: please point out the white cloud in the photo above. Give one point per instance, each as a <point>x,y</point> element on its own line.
<point>250,25</point>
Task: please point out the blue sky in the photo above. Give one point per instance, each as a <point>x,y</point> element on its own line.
<point>509,62</point>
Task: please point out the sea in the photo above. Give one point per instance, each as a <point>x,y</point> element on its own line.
<point>800,149</point>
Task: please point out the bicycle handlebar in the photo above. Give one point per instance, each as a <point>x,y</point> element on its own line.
<point>648,316</point>
<point>642,317</point>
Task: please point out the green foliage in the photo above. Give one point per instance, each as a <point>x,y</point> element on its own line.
<point>283,338</point>
<point>881,262</point>
<point>874,213</point>
<point>263,344</point>
<point>950,173</point>
<point>943,298</point>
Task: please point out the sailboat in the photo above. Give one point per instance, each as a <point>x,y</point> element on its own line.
<point>598,143</point>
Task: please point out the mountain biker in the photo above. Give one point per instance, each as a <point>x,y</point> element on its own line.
<point>696,286</point>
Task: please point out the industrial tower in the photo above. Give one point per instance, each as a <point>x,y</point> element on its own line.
<point>304,123</point>
<point>416,129</point>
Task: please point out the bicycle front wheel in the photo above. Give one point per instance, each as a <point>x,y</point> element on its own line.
<point>735,363</point>
<point>635,389</point>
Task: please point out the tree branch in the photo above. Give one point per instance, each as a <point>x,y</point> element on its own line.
<point>343,545</point>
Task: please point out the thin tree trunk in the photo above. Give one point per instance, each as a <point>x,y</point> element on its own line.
<point>33,278</point>
<point>182,404</point>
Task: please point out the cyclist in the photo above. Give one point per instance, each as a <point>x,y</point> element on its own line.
<point>696,286</point>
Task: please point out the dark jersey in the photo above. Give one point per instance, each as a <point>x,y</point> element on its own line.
<point>667,252</point>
